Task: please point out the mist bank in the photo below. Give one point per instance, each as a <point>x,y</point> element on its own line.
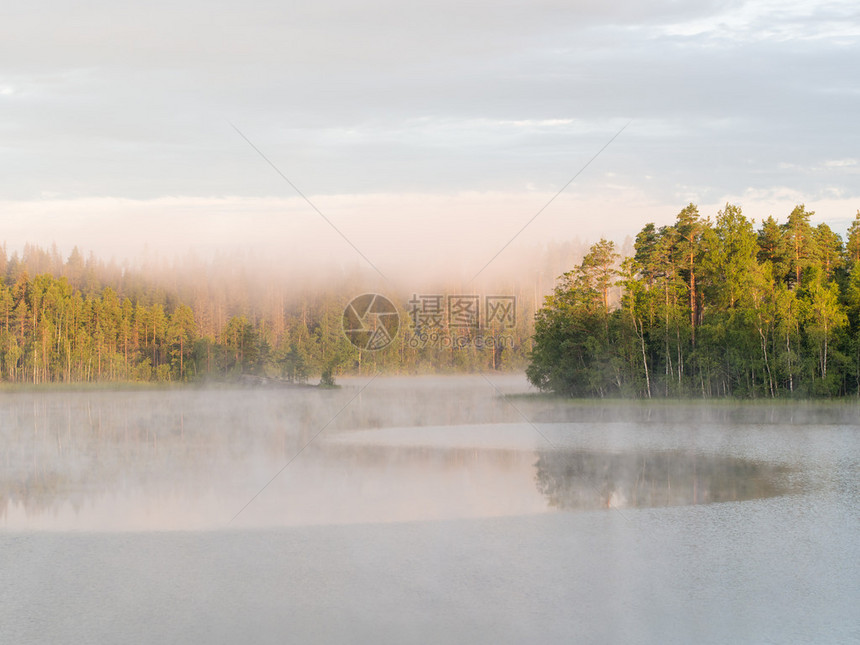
<point>83,320</point>
<point>406,449</point>
<point>696,309</point>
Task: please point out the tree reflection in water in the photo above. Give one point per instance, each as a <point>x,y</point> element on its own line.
<point>590,480</point>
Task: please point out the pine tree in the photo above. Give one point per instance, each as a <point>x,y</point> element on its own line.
<point>800,243</point>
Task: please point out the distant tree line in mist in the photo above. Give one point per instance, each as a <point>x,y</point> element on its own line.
<point>80,319</point>
<point>708,308</point>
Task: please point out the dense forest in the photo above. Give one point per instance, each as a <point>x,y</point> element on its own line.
<point>700,308</point>
<point>80,319</point>
<point>708,308</point>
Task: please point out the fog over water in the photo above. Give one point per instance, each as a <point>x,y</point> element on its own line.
<point>424,509</point>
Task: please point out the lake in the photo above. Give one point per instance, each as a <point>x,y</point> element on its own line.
<point>424,509</point>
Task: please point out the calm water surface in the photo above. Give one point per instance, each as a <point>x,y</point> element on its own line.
<point>424,510</point>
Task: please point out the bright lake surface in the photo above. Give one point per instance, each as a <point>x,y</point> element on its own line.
<point>425,509</point>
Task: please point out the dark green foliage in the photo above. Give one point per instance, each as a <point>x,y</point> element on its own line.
<point>710,309</point>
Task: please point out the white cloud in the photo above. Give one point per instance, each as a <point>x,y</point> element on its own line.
<point>774,20</point>
<point>840,163</point>
<point>388,110</point>
<point>408,236</point>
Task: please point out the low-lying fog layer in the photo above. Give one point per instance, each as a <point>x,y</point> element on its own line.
<point>424,510</point>
<point>380,450</point>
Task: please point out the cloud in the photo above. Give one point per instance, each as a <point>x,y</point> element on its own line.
<point>429,101</point>
<point>408,236</point>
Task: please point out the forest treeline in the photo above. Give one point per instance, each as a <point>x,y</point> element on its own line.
<point>80,319</point>
<point>708,308</point>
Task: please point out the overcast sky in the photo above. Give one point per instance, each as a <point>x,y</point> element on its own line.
<point>433,129</point>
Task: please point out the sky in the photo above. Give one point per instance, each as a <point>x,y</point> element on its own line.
<point>421,133</point>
